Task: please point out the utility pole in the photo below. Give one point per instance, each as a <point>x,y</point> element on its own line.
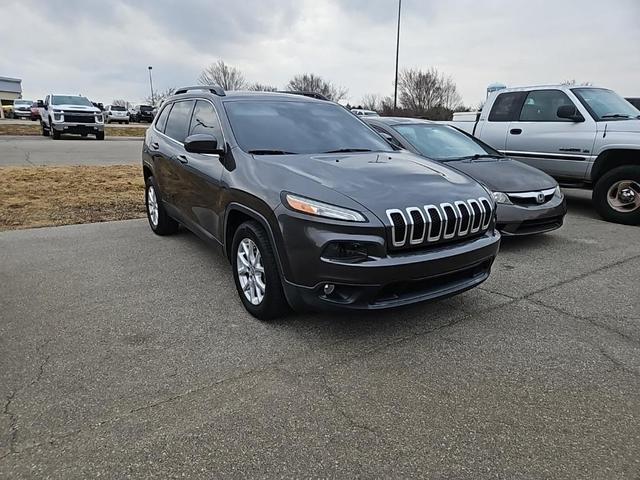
<point>153,103</point>
<point>395,89</point>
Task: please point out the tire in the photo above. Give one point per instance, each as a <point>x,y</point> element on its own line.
<point>45,130</point>
<point>127,122</point>
<point>251,237</point>
<point>159,221</point>
<point>55,134</point>
<point>83,134</point>
<point>100,136</point>
<point>613,183</point>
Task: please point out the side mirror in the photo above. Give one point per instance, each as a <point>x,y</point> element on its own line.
<point>569,112</point>
<point>40,104</point>
<point>202,143</point>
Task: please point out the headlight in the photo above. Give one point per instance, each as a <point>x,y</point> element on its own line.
<point>558,193</point>
<point>57,116</point>
<point>99,117</point>
<point>500,197</point>
<point>320,209</point>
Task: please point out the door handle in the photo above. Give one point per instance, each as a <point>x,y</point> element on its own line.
<point>182,159</point>
<point>515,131</point>
<point>154,146</point>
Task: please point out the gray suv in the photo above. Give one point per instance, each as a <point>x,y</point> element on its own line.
<point>311,206</point>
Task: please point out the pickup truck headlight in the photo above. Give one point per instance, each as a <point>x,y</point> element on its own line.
<point>321,209</point>
<point>99,118</point>
<point>503,198</point>
<point>57,115</point>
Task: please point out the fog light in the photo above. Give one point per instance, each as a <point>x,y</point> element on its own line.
<point>329,288</point>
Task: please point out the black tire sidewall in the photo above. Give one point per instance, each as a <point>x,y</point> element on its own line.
<point>273,304</point>
<point>166,225</point>
<point>625,172</point>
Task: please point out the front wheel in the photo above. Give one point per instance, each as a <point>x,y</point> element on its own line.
<point>55,134</point>
<point>45,130</point>
<point>100,136</point>
<point>159,221</point>
<point>616,195</point>
<point>255,272</point>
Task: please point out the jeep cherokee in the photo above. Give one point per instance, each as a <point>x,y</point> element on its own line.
<point>310,205</point>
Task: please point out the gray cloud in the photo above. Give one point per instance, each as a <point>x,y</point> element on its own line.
<point>103,48</point>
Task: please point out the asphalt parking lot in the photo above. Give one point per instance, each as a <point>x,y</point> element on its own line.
<point>129,355</point>
<point>27,151</point>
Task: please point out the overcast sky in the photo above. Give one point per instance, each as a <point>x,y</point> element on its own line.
<point>102,48</point>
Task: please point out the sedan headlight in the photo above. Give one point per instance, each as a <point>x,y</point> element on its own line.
<point>320,209</point>
<point>503,198</point>
<point>558,193</point>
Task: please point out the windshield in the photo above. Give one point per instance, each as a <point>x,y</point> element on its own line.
<point>117,108</point>
<point>70,100</point>
<point>605,104</point>
<point>440,142</point>
<point>269,126</point>
<point>23,102</point>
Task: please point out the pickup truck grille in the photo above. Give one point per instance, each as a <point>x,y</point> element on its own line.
<point>416,227</point>
<point>80,117</point>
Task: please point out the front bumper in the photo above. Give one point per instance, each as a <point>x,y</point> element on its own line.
<point>22,113</point>
<point>390,280</point>
<point>78,128</point>
<point>520,220</point>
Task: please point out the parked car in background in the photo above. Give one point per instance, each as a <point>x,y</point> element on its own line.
<point>585,137</point>
<point>22,109</point>
<point>7,108</point>
<point>35,111</point>
<point>361,112</point>
<point>634,101</point>
<point>528,200</point>
<point>73,114</point>
<point>311,206</point>
<point>116,113</point>
<point>142,113</point>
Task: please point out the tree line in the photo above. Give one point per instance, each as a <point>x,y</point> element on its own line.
<point>421,93</point>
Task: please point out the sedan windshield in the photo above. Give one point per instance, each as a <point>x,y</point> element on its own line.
<point>440,142</point>
<point>70,100</point>
<point>605,104</point>
<point>271,127</point>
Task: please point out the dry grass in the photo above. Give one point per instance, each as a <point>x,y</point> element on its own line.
<point>34,129</point>
<point>46,196</point>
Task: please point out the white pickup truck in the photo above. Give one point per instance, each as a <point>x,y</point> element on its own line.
<point>585,137</point>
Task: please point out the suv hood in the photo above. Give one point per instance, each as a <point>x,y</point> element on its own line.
<point>504,174</point>
<point>75,108</point>
<point>378,180</point>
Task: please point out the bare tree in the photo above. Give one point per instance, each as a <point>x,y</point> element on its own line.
<point>223,75</point>
<point>420,91</point>
<point>262,87</point>
<point>573,82</point>
<point>372,101</point>
<point>159,97</point>
<point>310,82</point>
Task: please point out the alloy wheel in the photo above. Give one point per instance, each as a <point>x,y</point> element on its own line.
<point>251,271</point>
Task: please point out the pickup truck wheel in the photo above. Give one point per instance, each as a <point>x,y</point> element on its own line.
<point>45,130</point>
<point>100,136</point>
<point>255,272</point>
<point>617,195</point>
<point>55,134</point>
<point>159,220</point>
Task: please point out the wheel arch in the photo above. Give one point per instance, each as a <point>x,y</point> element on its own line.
<point>613,158</point>
<point>235,215</point>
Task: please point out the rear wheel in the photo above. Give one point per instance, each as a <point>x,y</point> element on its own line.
<point>617,195</point>
<point>45,130</point>
<point>255,272</point>
<point>159,221</point>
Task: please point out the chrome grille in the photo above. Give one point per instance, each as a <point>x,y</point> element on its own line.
<point>79,117</point>
<point>434,223</point>
<point>532,198</point>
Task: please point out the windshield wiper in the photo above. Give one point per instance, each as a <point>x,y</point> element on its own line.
<point>270,152</point>
<point>347,150</point>
<point>476,156</point>
<point>615,115</point>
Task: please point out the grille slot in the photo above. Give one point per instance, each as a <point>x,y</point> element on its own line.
<point>435,223</point>
<point>79,117</point>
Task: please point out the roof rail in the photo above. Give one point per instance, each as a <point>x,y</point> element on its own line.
<point>215,89</point>
<point>315,95</point>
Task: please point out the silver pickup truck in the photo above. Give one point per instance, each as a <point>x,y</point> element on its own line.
<point>585,137</point>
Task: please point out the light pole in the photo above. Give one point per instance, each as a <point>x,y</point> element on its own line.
<point>395,88</point>
<point>153,103</point>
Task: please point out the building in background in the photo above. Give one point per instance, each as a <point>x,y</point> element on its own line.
<point>10,90</point>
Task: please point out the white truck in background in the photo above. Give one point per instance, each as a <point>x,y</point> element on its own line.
<point>584,136</point>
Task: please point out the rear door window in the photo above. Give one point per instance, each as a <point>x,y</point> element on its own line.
<point>178,121</point>
<point>507,107</point>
